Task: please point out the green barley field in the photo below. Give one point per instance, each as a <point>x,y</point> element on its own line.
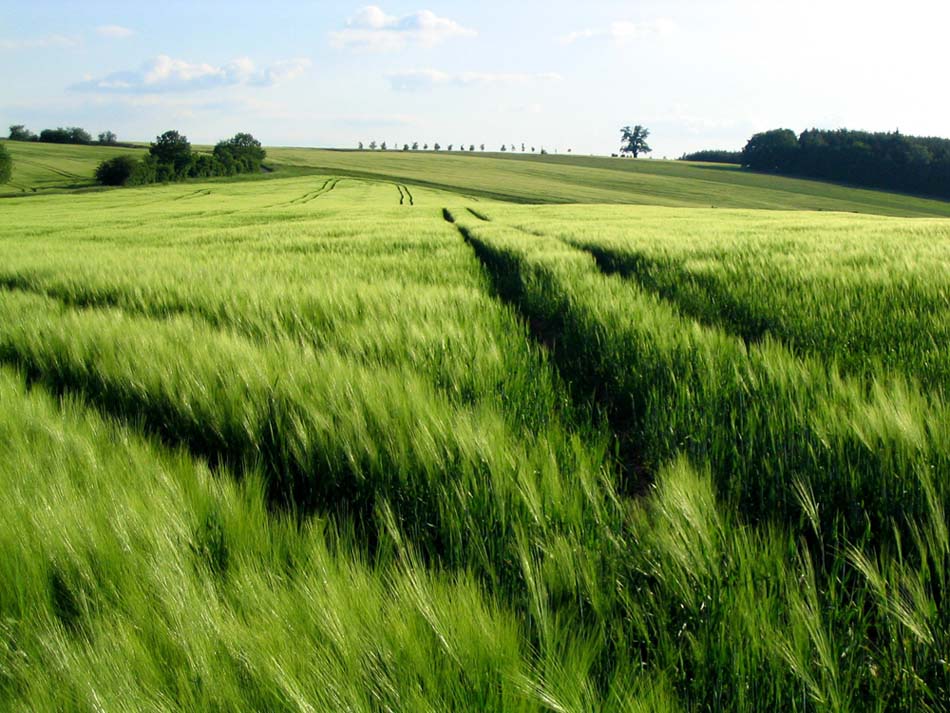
<point>387,432</point>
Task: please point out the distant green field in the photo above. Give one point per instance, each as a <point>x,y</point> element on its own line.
<point>336,443</point>
<point>513,177</point>
<point>577,179</point>
<point>42,167</point>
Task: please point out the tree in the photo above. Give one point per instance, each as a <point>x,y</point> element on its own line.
<point>634,140</point>
<point>6,164</point>
<point>504,148</point>
<point>70,135</point>
<point>372,145</point>
<point>116,171</point>
<point>415,145</point>
<point>205,166</point>
<point>771,150</point>
<point>405,147</point>
<point>18,132</point>
<point>437,146</point>
<point>172,153</point>
<point>242,151</point>
<point>471,147</point>
<point>425,147</point>
<point>108,138</point>
<point>382,146</point>
<point>522,148</point>
<point>482,147</point>
<point>450,146</point>
<point>360,146</point>
<point>79,136</point>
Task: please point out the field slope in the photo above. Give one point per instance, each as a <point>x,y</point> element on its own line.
<point>576,179</point>
<point>43,167</point>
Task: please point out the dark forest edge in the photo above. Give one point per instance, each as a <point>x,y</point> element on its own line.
<point>6,164</point>
<point>892,161</point>
<point>713,156</point>
<point>170,159</point>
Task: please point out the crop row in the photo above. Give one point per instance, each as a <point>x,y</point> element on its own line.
<point>133,577</point>
<point>374,294</point>
<point>328,434</point>
<point>868,294</point>
<point>766,422</point>
<point>134,574</point>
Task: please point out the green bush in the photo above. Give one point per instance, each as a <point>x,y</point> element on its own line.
<point>116,171</point>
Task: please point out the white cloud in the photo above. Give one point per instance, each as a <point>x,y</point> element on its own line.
<point>48,42</point>
<point>116,32</point>
<point>622,31</point>
<point>423,79</point>
<point>372,29</point>
<point>166,74</point>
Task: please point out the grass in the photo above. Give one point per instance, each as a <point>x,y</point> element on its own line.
<point>325,442</point>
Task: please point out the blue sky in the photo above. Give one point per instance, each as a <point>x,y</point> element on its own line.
<point>699,74</point>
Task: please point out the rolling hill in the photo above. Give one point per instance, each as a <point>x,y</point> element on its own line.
<point>516,178</point>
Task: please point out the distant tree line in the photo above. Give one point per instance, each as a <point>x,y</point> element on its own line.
<point>170,159</point>
<point>713,156</point>
<point>6,164</point>
<point>891,161</point>
<point>373,146</point>
<point>61,135</point>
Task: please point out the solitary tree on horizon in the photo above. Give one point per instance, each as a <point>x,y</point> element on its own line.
<point>634,140</point>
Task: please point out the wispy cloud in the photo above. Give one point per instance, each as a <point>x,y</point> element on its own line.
<point>622,32</point>
<point>116,32</point>
<point>372,29</point>
<point>165,74</point>
<point>47,42</point>
<point>424,79</point>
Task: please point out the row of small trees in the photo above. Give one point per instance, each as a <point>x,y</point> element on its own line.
<point>414,146</point>
<point>170,158</point>
<point>61,135</point>
<point>881,160</point>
